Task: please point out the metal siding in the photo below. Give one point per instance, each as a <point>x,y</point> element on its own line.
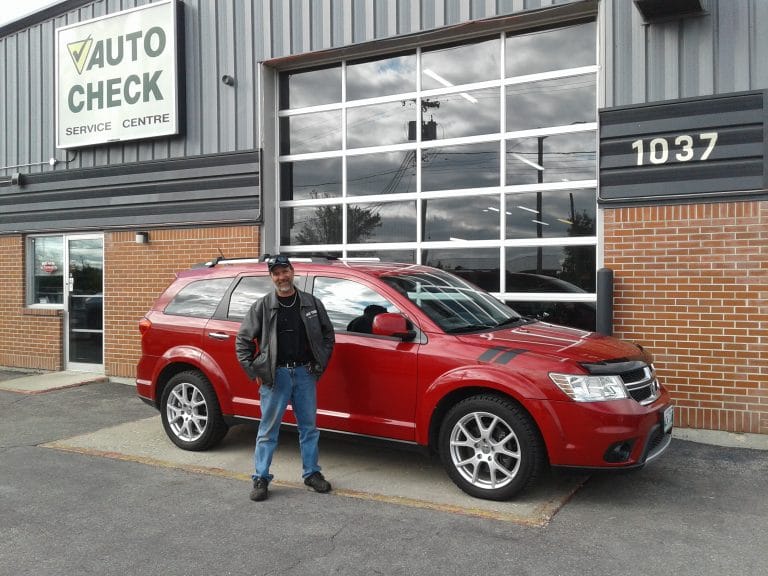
<point>219,37</point>
<point>718,52</point>
<point>226,65</point>
<point>736,164</point>
<point>759,43</point>
<point>221,187</point>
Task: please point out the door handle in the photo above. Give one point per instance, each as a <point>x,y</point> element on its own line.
<point>219,335</point>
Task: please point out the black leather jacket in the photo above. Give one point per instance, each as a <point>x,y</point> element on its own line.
<point>260,327</point>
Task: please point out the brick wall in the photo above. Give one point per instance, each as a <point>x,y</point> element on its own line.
<point>28,338</point>
<point>691,284</point>
<point>136,274</point>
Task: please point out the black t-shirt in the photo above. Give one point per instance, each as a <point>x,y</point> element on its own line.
<point>292,344</point>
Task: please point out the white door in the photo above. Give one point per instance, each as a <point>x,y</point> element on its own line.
<point>84,302</point>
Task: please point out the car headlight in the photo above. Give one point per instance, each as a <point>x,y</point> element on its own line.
<point>583,388</point>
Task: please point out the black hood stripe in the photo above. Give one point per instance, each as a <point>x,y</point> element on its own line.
<point>491,353</point>
<point>499,354</point>
<point>507,356</point>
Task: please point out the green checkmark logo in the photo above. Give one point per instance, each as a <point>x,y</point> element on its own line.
<point>79,51</point>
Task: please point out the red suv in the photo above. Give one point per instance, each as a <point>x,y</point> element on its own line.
<point>421,357</point>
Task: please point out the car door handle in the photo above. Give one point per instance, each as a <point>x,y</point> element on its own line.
<point>219,335</point>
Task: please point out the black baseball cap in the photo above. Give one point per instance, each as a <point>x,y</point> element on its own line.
<point>279,260</point>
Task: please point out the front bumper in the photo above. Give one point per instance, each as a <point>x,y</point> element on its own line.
<point>613,434</point>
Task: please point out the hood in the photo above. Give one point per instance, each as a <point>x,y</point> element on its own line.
<point>559,342</point>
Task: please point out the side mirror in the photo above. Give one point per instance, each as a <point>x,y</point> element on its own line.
<point>393,324</point>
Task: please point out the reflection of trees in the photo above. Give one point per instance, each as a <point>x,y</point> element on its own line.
<point>579,263</point>
<point>325,225</point>
<point>87,278</point>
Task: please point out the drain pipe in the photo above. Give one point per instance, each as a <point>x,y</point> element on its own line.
<point>604,312</point>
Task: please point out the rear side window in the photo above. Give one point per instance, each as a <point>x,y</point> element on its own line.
<point>199,299</point>
<point>247,291</point>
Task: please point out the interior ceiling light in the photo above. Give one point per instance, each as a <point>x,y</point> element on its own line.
<point>564,221</point>
<point>529,162</point>
<point>447,84</point>
<point>540,222</point>
<point>528,209</point>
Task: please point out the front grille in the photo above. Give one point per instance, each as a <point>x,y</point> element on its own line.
<point>638,377</point>
<point>642,387</point>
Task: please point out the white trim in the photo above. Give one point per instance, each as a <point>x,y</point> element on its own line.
<point>552,131</point>
<point>449,244</point>
<point>82,366</point>
<point>557,241</point>
<point>549,296</point>
<point>456,89</point>
<point>551,186</point>
<point>498,192</point>
<point>461,88</point>
<point>459,141</point>
<point>553,75</point>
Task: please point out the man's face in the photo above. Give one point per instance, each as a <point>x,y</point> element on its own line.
<point>282,277</point>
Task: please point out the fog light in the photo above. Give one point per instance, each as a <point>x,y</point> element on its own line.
<point>619,452</point>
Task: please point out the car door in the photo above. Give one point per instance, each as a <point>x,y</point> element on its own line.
<point>370,384</point>
<point>219,336</point>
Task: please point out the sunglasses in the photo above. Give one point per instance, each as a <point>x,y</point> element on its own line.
<point>279,260</point>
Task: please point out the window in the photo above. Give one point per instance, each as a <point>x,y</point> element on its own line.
<point>199,299</point>
<point>478,157</point>
<point>247,291</point>
<point>347,301</point>
<point>45,270</point>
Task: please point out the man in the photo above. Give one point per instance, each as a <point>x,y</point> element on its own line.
<point>295,339</point>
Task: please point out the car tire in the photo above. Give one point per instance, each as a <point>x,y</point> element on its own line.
<point>191,413</point>
<point>490,447</point>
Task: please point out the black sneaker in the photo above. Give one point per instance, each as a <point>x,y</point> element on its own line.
<point>259,491</point>
<point>318,483</point>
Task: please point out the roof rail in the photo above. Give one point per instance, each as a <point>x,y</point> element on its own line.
<point>220,260</point>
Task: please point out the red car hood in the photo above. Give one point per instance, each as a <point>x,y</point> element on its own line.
<point>557,341</point>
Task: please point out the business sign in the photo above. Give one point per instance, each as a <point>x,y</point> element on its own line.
<point>691,148</point>
<point>117,77</point>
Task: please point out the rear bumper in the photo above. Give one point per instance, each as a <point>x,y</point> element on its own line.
<point>618,434</point>
<point>144,382</point>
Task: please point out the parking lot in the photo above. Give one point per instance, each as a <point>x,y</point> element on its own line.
<point>90,484</point>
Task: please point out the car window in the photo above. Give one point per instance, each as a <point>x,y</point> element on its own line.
<point>350,305</point>
<point>198,299</point>
<point>247,291</point>
<point>451,302</point>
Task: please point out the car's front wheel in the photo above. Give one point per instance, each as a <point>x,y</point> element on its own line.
<point>191,413</point>
<point>490,447</point>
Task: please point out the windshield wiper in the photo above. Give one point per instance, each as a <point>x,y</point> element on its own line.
<point>468,328</point>
<point>519,321</point>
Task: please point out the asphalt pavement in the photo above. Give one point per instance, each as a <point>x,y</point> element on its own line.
<point>698,510</point>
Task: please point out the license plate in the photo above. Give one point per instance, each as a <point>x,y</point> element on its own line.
<point>669,418</point>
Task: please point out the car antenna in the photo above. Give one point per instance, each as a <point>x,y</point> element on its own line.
<point>218,258</point>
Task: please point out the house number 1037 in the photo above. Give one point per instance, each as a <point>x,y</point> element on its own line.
<point>683,148</point>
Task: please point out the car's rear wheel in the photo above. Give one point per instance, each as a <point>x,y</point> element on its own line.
<point>490,447</point>
<point>191,413</point>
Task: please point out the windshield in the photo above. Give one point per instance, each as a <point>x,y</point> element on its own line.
<point>451,302</point>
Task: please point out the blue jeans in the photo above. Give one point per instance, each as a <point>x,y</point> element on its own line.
<point>297,386</point>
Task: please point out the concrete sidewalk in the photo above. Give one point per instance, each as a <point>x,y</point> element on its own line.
<point>356,470</point>
<point>25,382</point>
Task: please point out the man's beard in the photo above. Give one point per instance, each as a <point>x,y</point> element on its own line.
<point>284,287</point>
